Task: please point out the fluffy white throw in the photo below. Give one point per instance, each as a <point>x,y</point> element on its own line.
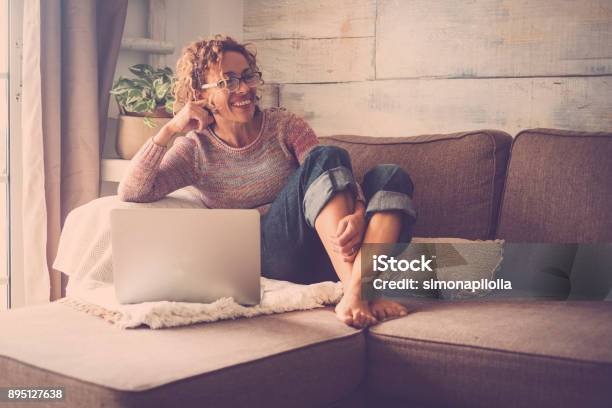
<point>98,298</point>
<point>85,255</point>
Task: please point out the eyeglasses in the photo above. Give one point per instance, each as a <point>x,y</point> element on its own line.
<point>232,83</point>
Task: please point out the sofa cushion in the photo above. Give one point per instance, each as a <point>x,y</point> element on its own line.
<point>558,188</point>
<point>483,354</point>
<point>458,177</point>
<point>290,359</point>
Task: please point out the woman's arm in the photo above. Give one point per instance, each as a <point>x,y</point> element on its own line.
<point>300,138</point>
<point>156,171</point>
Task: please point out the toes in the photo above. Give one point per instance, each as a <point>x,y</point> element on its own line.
<point>399,310</point>
<point>369,318</point>
<point>346,319</point>
<point>379,310</point>
<point>365,318</point>
<point>359,318</point>
<point>355,319</point>
<point>382,310</point>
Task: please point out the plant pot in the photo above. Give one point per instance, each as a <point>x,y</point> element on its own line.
<point>132,133</point>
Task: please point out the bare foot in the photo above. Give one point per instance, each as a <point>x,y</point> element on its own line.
<point>385,309</point>
<point>354,312</point>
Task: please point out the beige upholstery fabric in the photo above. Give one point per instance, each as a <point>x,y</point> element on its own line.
<point>479,354</point>
<point>294,359</point>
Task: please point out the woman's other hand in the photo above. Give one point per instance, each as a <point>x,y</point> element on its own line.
<point>349,235</point>
<point>192,116</point>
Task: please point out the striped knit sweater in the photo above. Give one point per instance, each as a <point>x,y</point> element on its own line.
<point>225,176</point>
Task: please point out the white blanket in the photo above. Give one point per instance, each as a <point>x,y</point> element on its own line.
<point>85,255</point>
<point>98,298</point>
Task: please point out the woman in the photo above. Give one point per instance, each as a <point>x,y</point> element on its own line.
<point>239,156</point>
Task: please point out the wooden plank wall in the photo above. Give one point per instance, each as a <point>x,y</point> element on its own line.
<point>400,68</point>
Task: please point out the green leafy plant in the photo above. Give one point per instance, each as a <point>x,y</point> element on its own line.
<point>148,95</point>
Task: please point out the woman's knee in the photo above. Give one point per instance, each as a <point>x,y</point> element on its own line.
<point>329,157</point>
<point>388,187</point>
<point>387,177</point>
<point>326,171</point>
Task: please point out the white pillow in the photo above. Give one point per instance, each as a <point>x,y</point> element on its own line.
<point>478,260</point>
<point>84,251</point>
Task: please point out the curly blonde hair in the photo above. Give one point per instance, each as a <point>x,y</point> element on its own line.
<point>197,59</point>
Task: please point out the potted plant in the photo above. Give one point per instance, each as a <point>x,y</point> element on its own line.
<point>145,104</point>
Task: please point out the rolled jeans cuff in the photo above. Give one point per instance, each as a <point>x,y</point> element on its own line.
<point>323,188</point>
<point>391,200</point>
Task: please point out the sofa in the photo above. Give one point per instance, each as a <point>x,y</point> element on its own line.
<point>543,185</point>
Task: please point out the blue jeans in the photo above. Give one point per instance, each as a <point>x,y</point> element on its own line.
<point>291,249</point>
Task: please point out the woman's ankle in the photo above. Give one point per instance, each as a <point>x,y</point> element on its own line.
<point>352,288</point>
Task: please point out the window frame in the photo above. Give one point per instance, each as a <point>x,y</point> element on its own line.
<point>15,287</point>
<point>5,275</point>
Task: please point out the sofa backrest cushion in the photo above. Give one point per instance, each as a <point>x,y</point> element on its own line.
<point>558,188</point>
<point>458,177</point>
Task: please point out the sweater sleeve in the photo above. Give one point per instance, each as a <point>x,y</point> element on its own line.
<point>301,138</point>
<point>156,171</point>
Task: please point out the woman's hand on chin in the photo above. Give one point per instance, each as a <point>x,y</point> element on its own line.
<point>192,116</point>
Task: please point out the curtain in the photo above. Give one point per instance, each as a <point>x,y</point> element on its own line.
<point>70,50</point>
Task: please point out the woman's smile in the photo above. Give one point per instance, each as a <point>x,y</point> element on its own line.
<point>243,103</point>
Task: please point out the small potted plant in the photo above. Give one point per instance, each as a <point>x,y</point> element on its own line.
<point>145,104</point>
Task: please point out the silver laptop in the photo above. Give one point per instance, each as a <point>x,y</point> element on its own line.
<point>185,255</point>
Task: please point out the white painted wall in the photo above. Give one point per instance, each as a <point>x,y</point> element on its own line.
<point>401,68</point>
<point>189,20</point>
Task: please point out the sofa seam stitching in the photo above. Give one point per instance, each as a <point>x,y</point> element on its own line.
<point>481,348</point>
<point>552,132</point>
<point>492,198</point>
<point>443,138</point>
